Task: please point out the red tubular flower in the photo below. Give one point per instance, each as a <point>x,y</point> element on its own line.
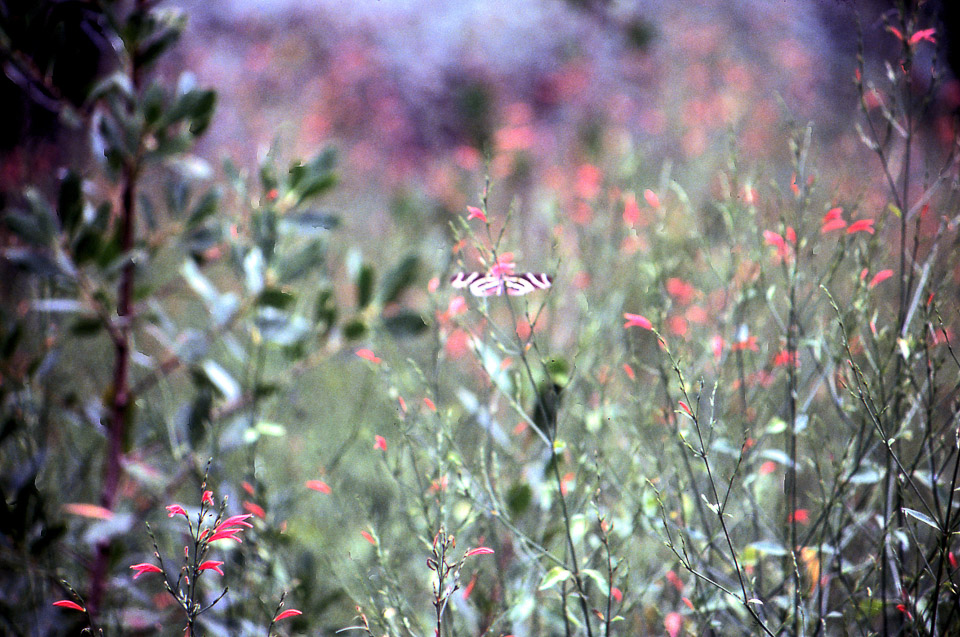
<point>863,225</point>
<point>66,603</point>
<point>291,612</point>
<point>145,567</point>
<point>651,198</point>
<point>480,550</point>
<point>368,537</point>
<point>254,509</point>
<point>176,509</point>
<point>476,213</point>
<point>379,442</point>
<point>368,355</point>
<point>879,277</point>
<point>211,565</point>
<point>207,498</point>
<point>636,320</point>
<point>318,485</point>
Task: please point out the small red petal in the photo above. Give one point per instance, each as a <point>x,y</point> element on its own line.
<point>367,355</point>
<point>617,594</point>
<point>636,320</point>
<point>379,442</point>
<point>651,198</point>
<point>879,277</point>
<point>368,537</point>
<point>66,603</point>
<point>255,509</point>
<point>430,405</point>
<point>863,225</point>
<point>480,550</point>
<point>292,612</point>
<point>318,485</point>
<point>684,407</point>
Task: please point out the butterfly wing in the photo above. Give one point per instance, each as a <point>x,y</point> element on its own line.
<point>520,284</point>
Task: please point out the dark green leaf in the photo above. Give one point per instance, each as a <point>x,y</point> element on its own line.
<point>405,324</point>
<point>275,297</point>
<point>364,283</point>
<point>326,310</point>
<point>86,326</point>
<point>519,497</point>
<point>206,207</point>
<point>70,202</point>
<point>316,186</point>
<point>399,278</point>
<point>355,329</point>
<point>296,265</point>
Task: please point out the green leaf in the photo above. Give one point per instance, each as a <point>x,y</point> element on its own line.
<point>405,324</point>
<point>519,497</point>
<point>86,326</point>
<point>70,202</point>
<point>923,517</point>
<point>355,329</point>
<point>554,576</point>
<point>325,313</point>
<point>399,278</point>
<point>364,283</point>
<point>275,297</point>
<point>205,208</point>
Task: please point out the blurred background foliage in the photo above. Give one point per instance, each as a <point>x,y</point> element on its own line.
<point>298,177</point>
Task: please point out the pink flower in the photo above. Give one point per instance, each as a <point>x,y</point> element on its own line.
<point>631,211</point>
<point>292,612</point>
<point>617,594</point>
<point>504,265</point>
<point>211,565</point>
<point>685,407</point>
<point>476,213</point>
<point>651,198</point>
<point>207,498</point>
<point>768,467</point>
<point>145,567</point>
<point>66,603</point>
<point>176,509</point>
<point>673,622</point>
<point>833,220</point>
<point>801,516</point>
<point>923,34</point>
<point>255,509</point>
<point>319,485</point>
<point>863,225</point>
<point>480,550</point>
<point>368,355</point>
<point>379,442</point>
<point>636,320</point>
<point>879,277</point>
<point>680,290</point>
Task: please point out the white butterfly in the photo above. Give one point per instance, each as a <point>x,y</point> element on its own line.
<point>494,284</point>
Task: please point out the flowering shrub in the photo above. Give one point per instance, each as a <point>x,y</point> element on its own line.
<point>649,409</point>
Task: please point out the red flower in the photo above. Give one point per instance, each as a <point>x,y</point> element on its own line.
<point>675,581</point>
<point>368,537</point>
<point>617,594</point>
<point>430,405</point>
<point>684,407</point>
<point>629,372</point>
<point>211,565</point>
<point>652,199</point>
<point>292,612</point>
<point>176,509</point>
<point>777,241</point>
<point>631,211</point>
<point>480,550</point>
<point>801,516</point>
<point>768,467</point>
<point>833,220</point>
<point>145,567</point>
<point>255,509</point>
<point>680,290</point>
<point>636,320</point>
<point>879,277</point>
<point>863,225</point>
<point>785,357</point>
<point>673,622</point>
<point>66,603</point>
<point>476,213</point>
<point>318,485</point>
<point>368,355</point>
<point>379,442</point>
<point>750,344</point>
<point>504,265</point>
<point>207,498</point>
